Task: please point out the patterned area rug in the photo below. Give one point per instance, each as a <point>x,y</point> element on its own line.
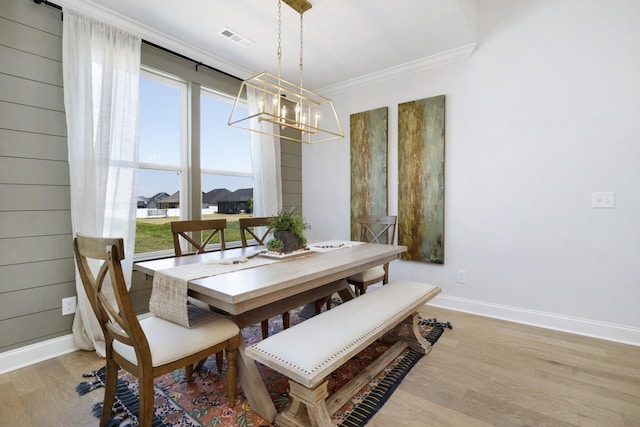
<point>203,401</point>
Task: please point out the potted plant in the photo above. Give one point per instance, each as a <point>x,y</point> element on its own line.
<point>275,245</point>
<point>289,228</point>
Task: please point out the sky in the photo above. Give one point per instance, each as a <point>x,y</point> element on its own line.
<point>223,148</point>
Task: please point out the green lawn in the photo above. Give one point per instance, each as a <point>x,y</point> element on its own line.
<point>154,234</point>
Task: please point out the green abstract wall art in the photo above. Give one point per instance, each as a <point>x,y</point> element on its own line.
<point>368,165</point>
<point>421,179</point>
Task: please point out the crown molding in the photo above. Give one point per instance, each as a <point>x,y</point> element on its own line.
<point>454,55</point>
<point>154,36</point>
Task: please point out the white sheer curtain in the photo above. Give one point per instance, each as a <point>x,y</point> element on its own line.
<point>265,160</point>
<point>101,67</point>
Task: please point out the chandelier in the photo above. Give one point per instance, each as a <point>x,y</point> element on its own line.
<point>283,109</point>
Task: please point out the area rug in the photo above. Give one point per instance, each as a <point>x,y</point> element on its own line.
<point>203,401</point>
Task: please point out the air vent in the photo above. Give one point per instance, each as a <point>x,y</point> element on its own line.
<point>228,33</point>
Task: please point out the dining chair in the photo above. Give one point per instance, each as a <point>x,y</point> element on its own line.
<point>248,227</point>
<point>180,229</point>
<point>374,229</point>
<point>152,346</point>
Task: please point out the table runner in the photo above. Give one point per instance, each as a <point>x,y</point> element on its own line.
<point>170,286</point>
<point>169,293</point>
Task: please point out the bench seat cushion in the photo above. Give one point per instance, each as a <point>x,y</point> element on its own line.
<point>309,351</point>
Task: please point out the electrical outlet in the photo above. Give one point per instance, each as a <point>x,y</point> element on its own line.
<point>68,305</point>
<point>461,276</point>
<point>603,200</point>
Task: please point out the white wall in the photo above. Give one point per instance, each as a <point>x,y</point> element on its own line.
<point>545,112</point>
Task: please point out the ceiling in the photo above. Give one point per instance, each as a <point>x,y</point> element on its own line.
<point>343,40</point>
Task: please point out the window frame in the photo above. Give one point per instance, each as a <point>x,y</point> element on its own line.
<point>190,169</point>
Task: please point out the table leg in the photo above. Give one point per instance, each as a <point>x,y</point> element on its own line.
<point>253,386</point>
<point>346,293</point>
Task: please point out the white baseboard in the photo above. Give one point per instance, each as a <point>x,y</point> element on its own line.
<point>39,352</point>
<point>34,353</point>
<point>574,325</point>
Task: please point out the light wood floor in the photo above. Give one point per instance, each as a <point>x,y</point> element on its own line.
<point>484,372</point>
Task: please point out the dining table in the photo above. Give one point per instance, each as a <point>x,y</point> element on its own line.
<point>251,293</point>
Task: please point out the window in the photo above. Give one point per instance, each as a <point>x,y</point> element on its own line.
<point>225,157</point>
<point>162,152</point>
<point>168,155</point>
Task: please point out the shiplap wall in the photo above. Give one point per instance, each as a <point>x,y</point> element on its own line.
<point>36,266</point>
<point>36,258</point>
<point>291,169</point>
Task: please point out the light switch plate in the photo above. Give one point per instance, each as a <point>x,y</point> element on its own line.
<point>603,200</point>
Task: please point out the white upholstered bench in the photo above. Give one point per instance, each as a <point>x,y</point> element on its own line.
<point>309,351</point>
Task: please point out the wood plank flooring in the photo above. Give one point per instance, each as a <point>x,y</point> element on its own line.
<point>488,372</point>
<point>484,372</point>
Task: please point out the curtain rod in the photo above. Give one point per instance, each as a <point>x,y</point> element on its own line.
<point>164,49</point>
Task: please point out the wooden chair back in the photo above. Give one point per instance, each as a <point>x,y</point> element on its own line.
<point>214,227</point>
<point>107,292</point>
<point>374,229</point>
<point>118,321</point>
<point>378,228</point>
<point>248,230</point>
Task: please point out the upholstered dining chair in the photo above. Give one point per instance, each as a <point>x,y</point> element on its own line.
<point>213,227</point>
<point>374,229</point>
<point>152,346</point>
<point>248,228</point>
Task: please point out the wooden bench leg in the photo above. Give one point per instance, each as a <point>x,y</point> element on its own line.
<point>308,407</point>
<point>409,332</point>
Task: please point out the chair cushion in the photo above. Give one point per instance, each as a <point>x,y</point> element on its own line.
<point>368,274</point>
<point>169,341</point>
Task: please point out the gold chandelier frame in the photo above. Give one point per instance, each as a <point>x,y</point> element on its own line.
<point>297,114</point>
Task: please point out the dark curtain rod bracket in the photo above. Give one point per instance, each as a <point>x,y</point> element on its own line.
<point>148,43</point>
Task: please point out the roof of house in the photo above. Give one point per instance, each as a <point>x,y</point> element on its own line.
<point>240,195</point>
<point>214,196</point>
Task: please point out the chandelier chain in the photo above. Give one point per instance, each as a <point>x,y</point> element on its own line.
<point>279,37</point>
<point>301,45</point>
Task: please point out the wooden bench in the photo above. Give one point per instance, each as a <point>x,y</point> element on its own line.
<point>309,351</point>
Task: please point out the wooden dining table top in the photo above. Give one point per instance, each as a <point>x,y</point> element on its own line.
<point>250,288</point>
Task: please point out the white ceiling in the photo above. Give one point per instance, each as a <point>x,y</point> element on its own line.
<point>343,39</point>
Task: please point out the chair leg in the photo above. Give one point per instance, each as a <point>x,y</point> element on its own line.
<point>109,391</point>
<point>219,361</point>
<point>285,320</point>
<point>145,393</point>
<point>356,288</point>
<point>319,303</point>
<point>232,375</point>
<point>265,328</point>
<point>188,372</point>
